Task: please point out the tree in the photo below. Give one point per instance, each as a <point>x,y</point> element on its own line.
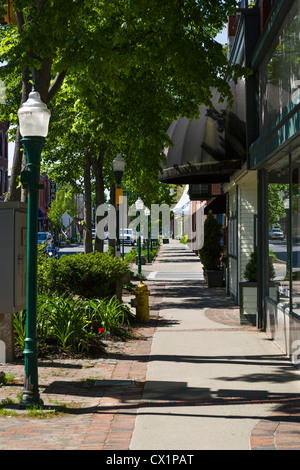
<point>275,202</point>
<point>162,50</point>
<point>64,202</point>
<point>210,253</point>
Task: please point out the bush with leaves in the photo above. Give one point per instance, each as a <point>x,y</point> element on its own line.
<point>210,253</point>
<point>73,323</point>
<point>130,256</point>
<point>250,272</point>
<point>92,275</point>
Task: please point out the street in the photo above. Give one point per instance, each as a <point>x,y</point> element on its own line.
<point>278,247</point>
<point>72,250</point>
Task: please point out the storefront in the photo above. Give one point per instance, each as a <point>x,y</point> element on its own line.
<point>276,156</point>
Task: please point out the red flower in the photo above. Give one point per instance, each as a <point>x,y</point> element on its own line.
<point>101,330</point>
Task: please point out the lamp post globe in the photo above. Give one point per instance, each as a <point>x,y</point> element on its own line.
<point>118,168</point>
<point>139,205</point>
<point>34,117</point>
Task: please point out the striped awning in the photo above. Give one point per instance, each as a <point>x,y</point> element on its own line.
<point>208,149</point>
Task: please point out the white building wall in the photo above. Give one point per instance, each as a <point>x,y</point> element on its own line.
<point>247,211</point>
<point>242,199</point>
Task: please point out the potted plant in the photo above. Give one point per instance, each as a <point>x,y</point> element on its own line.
<point>248,289</point>
<point>211,252</point>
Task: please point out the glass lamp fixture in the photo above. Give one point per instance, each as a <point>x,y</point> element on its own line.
<point>139,205</point>
<point>118,168</point>
<point>34,117</point>
<point>119,164</point>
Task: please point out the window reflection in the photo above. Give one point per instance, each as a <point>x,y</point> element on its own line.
<point>279,74</point>
<point>284,236</point>
<point>278,190</point>
<point>295,240</point>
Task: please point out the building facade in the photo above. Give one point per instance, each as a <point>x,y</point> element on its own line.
<point>274,154</point>
<point>258,168</point>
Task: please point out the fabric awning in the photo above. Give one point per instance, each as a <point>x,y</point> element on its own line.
<point>208,149</point>
<point>217,205</point>
<point>183,205</point>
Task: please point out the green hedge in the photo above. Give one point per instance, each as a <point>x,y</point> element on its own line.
<point>93,275</point>
<point>130,256</point>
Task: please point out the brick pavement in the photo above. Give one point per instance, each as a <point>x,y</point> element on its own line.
<point>97,418</point>
<point>103,418</point>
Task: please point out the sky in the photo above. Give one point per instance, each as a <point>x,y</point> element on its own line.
<point>222,37</point>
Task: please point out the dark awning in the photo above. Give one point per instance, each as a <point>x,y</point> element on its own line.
<point>217,205</point>
<point>208,149</point>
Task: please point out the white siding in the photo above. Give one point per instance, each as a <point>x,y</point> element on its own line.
<point>245,200</point>
<point>247,211</point>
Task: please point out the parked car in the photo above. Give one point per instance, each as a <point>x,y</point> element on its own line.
<point>43,237</point>
<point>128,236</point>
<point>276,234</point>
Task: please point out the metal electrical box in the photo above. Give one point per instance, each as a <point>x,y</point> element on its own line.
<point>13,256</point>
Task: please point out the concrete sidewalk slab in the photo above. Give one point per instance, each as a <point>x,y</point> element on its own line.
<point>208,382</point>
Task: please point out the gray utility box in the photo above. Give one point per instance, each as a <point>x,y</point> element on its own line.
<point>13,255</point>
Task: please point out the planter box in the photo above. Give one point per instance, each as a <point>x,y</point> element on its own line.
<point>214,278</point>
<point>143,259</point>
<point>248,303</point>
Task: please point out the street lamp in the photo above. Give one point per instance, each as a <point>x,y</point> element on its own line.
<point>118,169</point>
<point>139,205</point>
<point>34,119</point>
<point>147,213</point>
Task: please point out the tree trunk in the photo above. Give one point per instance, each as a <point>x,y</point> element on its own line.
<point>14,190</point>
<point>97,165</point>
<point>42,78</point>
<point>87,231</point>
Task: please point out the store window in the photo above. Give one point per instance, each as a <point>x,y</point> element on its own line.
<point>295,238</point>
<point>284,234</point>
<point>278,191</point>
<point>279,76</point>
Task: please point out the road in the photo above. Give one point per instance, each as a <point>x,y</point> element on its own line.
<point>278,247</point>
<point>71,250</point>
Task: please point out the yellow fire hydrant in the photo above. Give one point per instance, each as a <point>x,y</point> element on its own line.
<point>141,303</point>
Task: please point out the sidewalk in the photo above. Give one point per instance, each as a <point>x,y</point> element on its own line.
<point>193,378</point>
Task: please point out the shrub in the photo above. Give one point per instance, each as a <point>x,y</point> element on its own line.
<point>210,253</point>
<point>92,275</point>
<point>130,256</point>
<point>64,319</point>
<point>250,272</point>
<point>73,323</point>
<point>108,314</point>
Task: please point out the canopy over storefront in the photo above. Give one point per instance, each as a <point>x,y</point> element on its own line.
<point>208,149</point>
<point>183,205</point>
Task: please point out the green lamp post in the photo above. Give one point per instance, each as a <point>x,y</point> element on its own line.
<point>139,205</point>
<point>118,169</point>
<point>147,214</point>
<point>34,119</point>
